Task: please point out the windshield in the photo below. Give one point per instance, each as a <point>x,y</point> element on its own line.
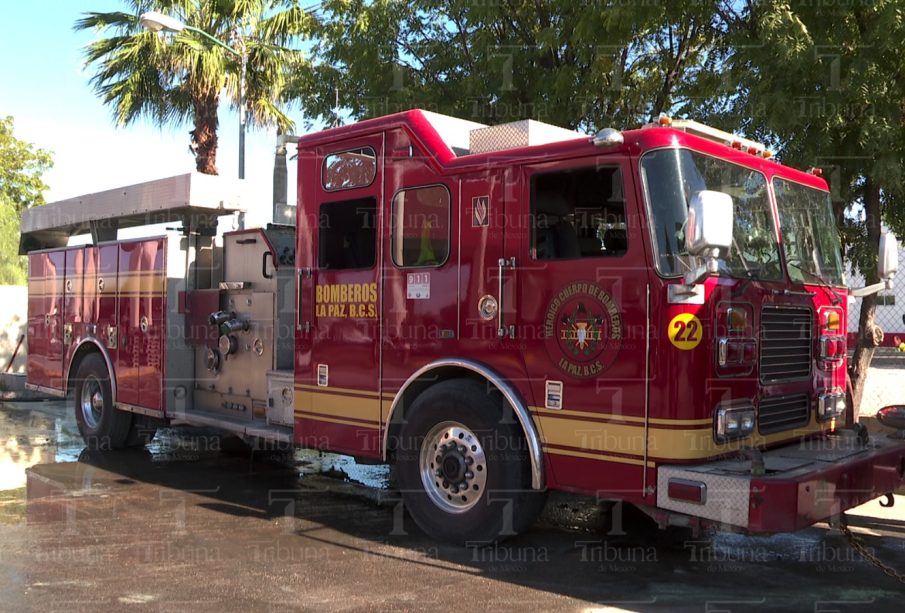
<point>809,237</point>
<point>672,176</point>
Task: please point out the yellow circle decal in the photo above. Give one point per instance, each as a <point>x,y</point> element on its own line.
<point>685,331</point>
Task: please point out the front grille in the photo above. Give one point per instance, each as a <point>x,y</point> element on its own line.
<point>785,343</point>
<point>783,413</point>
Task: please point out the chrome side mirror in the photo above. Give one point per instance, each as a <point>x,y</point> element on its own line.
<point>709,223</point>
<point>888,262</point>
<point>709,230</point>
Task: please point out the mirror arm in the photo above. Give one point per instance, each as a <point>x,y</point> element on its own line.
<point>871,289</point>
<point>711,266</point>
<point>693,277</point>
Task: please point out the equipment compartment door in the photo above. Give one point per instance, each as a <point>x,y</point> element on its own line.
<point>153,298</point>
<point>582,307</point>
<point>45,319</point>
<point>141,322</point>
<point>73,299</point>
<point>337,361</point>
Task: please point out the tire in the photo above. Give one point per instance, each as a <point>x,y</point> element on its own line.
<point>479,492</point>
<point>141,432</point>
<point>101,424</point>
<point>234,446</point>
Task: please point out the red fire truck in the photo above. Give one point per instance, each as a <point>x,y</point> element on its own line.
<point>655,315</point>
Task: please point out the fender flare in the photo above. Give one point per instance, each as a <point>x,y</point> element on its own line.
<point>90,340</point>
<point>535,452</point>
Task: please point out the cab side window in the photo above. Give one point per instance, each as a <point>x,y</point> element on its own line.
<point>421,226</point>
<point>349,169</point>
<point>347,237</point>
<point>578,213</point>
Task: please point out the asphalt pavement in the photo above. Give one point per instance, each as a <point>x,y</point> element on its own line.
<point>183,526</point>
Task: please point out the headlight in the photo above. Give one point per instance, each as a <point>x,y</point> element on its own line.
<point>733,422</point>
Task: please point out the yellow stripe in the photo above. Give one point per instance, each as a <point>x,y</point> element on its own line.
<point>105,295</point>
<point>323,389</point>
<point>141,284</point>
<point>706,422</point>
<point>699,444</point>
<point>338,406</point>
<point>129,283</point>
<point>592,436</point>
<point>103,275</point>
<point>678,444</point>
<point>629,418</point>
<point>48,287</point>
<point>597,456</point>
<point>334,421</point>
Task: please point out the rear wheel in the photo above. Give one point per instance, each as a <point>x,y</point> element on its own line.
<point>101,425</point>
<point>464,471</point>
<point>142,431</point>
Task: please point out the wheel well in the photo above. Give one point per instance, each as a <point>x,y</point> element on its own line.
<point>418,387</point>
<point>81,353</point>
<point>425,382</point>
<point>434,373</point>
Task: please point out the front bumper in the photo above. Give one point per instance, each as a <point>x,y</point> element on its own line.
<point>803,483</point>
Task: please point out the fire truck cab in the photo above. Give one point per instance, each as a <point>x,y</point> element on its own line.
<point>654,315</point>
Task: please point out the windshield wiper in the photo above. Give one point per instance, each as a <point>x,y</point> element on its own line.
<point>820,281</point>
<point>754,273</point>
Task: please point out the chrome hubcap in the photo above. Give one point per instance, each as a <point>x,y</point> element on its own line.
<point>453,467</point>
<point>92,401</point>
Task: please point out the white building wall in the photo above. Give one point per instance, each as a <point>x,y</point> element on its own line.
<point>13,320</point>
<point>889,316</point>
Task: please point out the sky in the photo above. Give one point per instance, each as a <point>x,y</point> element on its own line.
<point>45,87</point>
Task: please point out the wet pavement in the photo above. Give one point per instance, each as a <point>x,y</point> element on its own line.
<point>184,526</point>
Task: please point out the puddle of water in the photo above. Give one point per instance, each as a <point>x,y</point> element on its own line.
<point>12,506</point>
<point>46,433</point>
<point>33,436</point>
<point>310,462</point>
<point>777,547</point>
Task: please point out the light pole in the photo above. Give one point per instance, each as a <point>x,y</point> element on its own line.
<point>156,22</point>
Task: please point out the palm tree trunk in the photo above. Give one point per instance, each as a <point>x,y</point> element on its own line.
<point>204,138</point>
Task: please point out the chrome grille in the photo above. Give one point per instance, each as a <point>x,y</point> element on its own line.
<point>785,343</point>
<point>783,413</point>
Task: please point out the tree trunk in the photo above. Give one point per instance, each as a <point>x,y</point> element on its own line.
<point>204,136</point>
<point>869,333</point>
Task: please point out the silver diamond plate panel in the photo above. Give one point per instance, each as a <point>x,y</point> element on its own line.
<point>522,133</point>
<point>727,496</point>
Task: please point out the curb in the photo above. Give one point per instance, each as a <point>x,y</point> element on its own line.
<point>12,387</point>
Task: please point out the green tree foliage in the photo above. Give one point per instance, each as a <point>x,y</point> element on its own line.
<point>21,186</point>
<point>174,79</point>
<point>575,64</point>
<point>823,82</point>
<point>820,82</point>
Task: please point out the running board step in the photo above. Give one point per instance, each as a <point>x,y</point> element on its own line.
<point>262,430</point>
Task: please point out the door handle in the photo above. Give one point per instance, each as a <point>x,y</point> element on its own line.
<point>303,273</point>
<point>264,265</point>
<point>502,330</point>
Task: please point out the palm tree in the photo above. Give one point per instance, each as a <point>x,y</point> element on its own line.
<point>175,79</point>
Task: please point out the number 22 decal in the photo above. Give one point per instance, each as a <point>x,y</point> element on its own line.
<point>685,331</point>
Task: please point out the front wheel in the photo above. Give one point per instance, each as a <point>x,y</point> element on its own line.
<point>101,425</point>
<point>464,470</point>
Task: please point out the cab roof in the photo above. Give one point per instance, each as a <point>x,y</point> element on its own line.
<point>448,142</point>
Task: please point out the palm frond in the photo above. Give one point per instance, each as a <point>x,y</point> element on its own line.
<point>170,79</point>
